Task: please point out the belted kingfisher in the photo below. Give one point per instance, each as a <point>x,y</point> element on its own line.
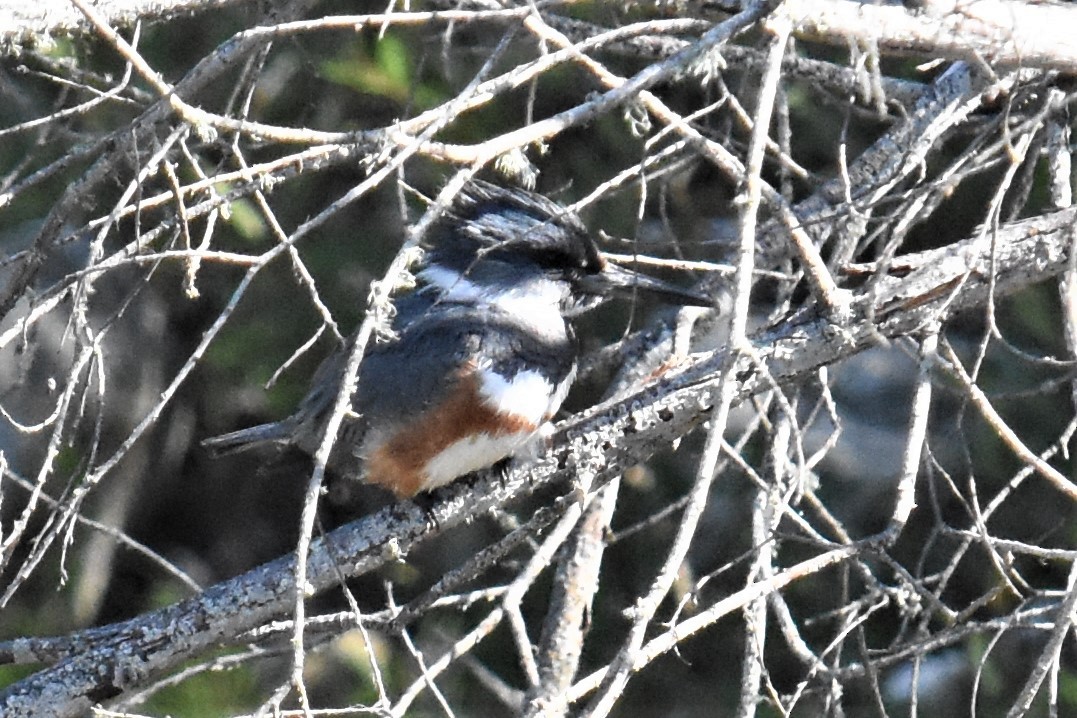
<point>483,350</point>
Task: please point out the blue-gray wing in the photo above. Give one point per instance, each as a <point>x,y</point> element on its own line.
<point>436,345</point>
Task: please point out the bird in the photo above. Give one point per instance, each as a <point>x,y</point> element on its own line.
<point>482,351</point>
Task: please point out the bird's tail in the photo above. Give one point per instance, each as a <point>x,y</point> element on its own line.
<point>235,441</point>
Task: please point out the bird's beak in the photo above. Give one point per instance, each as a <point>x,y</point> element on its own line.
<point>618,280</point>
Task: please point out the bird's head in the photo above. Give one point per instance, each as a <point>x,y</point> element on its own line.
<point>506,246</point>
